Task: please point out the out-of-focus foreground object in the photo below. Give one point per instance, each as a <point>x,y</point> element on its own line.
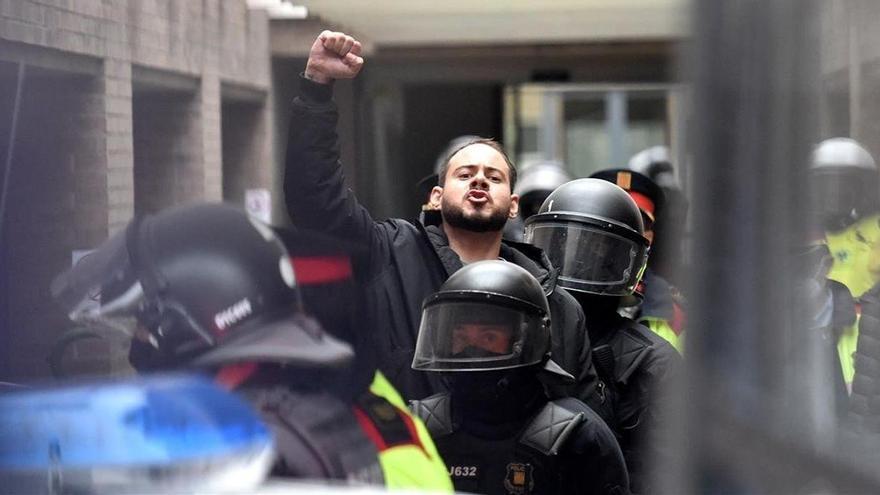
<point>163,434</point>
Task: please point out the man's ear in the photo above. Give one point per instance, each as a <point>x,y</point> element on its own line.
<point>514,205</point>
<point>435,197</point>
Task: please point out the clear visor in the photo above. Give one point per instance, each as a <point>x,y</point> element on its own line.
<point>100,291</point>
<point>460,336</point>
<point>590,259</point>
<point>835,195</point>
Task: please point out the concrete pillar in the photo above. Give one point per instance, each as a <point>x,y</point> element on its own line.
<point>210,133</point>
<point>120,144</point>
<point>209,106</point>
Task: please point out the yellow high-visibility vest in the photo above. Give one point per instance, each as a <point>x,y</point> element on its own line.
<point>410,466</point>
<point>846,349</point>
<point>662,328</point>
<point>856,252</point>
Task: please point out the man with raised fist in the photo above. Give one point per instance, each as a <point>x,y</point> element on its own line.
<point>406,261</point>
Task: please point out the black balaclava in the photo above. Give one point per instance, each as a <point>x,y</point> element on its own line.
<point>600,313</point>
<point>495,403</point>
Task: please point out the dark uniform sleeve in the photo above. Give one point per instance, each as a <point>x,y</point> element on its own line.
<point>314,185</point>
<point>595,463</point>
<point>867,375</point>
<point>572,351</point>
<point>646,432</point>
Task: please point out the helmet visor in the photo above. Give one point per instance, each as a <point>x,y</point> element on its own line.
<point>590,259</point>
<point>463,336</point>
<point>835,194</point>
<point>101,290</point>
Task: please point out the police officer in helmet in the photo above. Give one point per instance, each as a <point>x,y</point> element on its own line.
<point>208,288</point>
<point>655,303</point>
<point>845,195</point>
<point>845,191</point>
<point>656,164</point>
<point>488,330</point>
<point>325,277</point>
<point>592,231</point>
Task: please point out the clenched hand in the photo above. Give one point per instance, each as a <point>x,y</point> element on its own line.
<point>334,56</point>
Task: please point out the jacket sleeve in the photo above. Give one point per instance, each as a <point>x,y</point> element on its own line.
<point>314,185</point>
<point>596,463</point>
<point>572,351</point>
<point>646,433</point>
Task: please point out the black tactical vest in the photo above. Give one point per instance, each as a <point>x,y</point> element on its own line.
<point>525,462</point>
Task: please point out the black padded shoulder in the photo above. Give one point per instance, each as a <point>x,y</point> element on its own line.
<point>436,413</point>
<point>551,427</point>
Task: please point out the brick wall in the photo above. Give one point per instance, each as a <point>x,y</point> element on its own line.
<point>98,143</point>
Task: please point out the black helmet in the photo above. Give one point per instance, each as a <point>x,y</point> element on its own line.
<point>211,285</point>
<point>592,231</point>
<point>844,182</point>
<point>645,192</point>
<point>489,315</point>
<point>536,182</point>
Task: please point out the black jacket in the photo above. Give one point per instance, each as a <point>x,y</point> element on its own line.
<point>638,365</point>
<point>864,407</point>
<point>559,447</point>
<point>405,262</point>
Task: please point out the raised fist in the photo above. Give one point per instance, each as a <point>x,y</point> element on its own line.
<point>334,56</point>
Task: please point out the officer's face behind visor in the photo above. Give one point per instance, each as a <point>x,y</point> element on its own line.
<point>466,336</point>
<point>590,259</point>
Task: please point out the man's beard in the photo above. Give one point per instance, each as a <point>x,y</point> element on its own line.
<point>454,215</point>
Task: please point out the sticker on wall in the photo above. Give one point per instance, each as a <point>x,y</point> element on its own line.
<point>258,203</point>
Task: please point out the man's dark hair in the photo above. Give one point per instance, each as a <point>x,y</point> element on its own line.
<point>441,174</point>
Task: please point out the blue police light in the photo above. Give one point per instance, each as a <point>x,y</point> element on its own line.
<point>166,424</point>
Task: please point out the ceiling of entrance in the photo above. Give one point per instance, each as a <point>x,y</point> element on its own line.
<point>498,22</point>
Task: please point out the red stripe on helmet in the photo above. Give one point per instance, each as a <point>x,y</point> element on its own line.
<point>315,270</point>
<point>645,204</point>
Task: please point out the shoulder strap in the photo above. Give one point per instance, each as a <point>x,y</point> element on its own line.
<point>385,424</point>
<point>551,427</point>
<point>603,358</point>
<point>436,413</point>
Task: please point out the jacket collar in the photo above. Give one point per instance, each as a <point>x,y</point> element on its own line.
<point>527,256</point>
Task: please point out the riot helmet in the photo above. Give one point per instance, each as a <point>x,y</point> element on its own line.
<point>592,231</point>
<point>645,192</point>
<point>650,199</point>
<point>211,286</point>
<point>489,315</point>
<point>655,163</point>
<point>844,182</point>
<point>536,182</point>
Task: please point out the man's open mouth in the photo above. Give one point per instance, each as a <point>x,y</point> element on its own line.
<point>478,197</point>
